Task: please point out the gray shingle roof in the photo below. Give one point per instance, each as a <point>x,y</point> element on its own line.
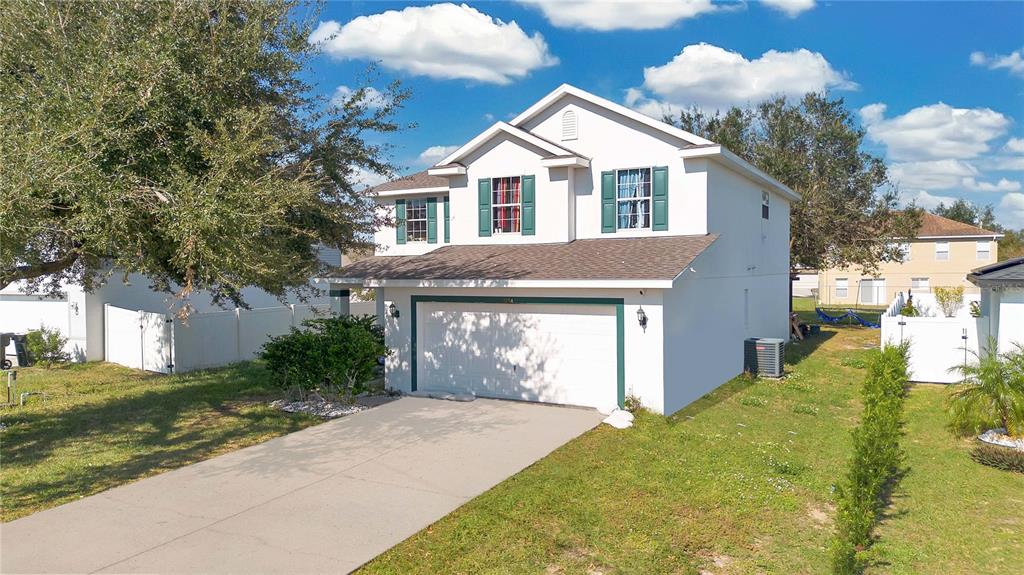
<point>650,258</point>
<point>413,182</point>
<point>1002,274</point>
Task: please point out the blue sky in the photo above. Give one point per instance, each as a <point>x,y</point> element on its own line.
<point>938,86</point>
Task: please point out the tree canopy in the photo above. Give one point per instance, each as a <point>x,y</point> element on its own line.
<point>178,139</point>
<point>963,211</point>
<point>848,213</point>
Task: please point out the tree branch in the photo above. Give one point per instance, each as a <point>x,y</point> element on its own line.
<point>11,275</point>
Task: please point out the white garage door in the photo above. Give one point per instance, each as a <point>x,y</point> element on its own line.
<point>551,353</point>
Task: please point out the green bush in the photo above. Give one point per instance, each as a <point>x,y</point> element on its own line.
<point>45,346</point>
<point>877,461</point>
<point>999,457</point>
<point>950,299</point>
<point>910,310</point>
<point>331,356</point>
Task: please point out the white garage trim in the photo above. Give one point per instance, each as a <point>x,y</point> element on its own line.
<point>620,325</point>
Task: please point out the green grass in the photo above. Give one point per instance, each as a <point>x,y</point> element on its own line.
<point>103,425</point>
<point>739,482</point>
<point>804,307</point>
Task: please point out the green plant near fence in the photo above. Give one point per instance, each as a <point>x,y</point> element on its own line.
<point>45,346</point>
<point>332,356</point>
<point>877,463</point>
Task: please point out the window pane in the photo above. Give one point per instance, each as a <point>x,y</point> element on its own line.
<point>505,219</point>
<point>633,183</point>
<point>416,220</point>
<point>634,214</point>
<point>505,199</point>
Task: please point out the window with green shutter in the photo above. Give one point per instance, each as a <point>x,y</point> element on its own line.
<point>431,220</point>
<point>608,202</point>
<point>529,226</point>
<point>484,201</point>
<point>400,221</point>
<point>447,220</point>
<point>660,208</point>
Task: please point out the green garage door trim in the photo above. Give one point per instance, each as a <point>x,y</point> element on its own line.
<point>620,324</point>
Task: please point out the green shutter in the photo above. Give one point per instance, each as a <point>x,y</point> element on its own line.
<point>660,199</point>
<point>529,215</point>
<point>400,221</point>
<point>431,220</point>
<point>607,202</point>
<point>447,221</point>
<point>483,187</point>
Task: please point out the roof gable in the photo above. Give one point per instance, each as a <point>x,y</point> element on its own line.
<point>935,226</point>
<point>499,128</point>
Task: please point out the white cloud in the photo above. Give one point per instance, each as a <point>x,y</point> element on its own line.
<point>365,178</point>
<point>636,99</point>
<point>372,97</point>
<point>1003,185</point>
<point>1010,212</point>
<point>924,200</point>
<point>489,117</point>
<point>934,132</point>
<point>1013,62</point>
<point>605,15</point>
<point>444,41</point>
<point>714,78</point>
<point>791,8</point>
<point>931,175</point>
<point>435,154</point>
<point>1014,146</point>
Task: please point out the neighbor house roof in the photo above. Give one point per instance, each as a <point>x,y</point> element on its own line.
<point>419,180</point>
<point>933,226</point>
<point>1009,273</point>
<point>653,261</point>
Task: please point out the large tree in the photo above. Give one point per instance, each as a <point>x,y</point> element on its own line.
<point>963,211</point>
<point>848,213</point>
<point>178,139</point>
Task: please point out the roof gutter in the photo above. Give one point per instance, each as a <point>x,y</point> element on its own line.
<point>500,283</point>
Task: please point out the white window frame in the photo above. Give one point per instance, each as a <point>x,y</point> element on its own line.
<point>765,207</point>
<point>939,251</point>
<point>419,203</point>
<point>843,284</point>
<point>986,254</point>
<point>649,198</point>
<point>920,284</point>
<point>518,181</point>
<point>904,252</point>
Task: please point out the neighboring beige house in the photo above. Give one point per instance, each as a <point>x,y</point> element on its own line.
<point>942,255</point>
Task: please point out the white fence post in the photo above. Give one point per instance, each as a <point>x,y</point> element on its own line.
<point>238,334</point>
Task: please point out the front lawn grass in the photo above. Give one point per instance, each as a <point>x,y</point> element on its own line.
<point>739,482</point>
<point>102,425</point>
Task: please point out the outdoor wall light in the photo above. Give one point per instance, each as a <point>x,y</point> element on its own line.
<point>642,318</point>
<point>393,310</point>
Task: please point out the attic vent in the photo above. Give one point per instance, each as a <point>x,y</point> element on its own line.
<point>569,126</point>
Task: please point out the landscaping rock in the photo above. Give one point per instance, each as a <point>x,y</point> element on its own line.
<point>998,437</point>
<point>620,419</point>
<point>319,408</point>
<point>446,395</point>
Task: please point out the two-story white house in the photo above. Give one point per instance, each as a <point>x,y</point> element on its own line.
<point>579,254</point>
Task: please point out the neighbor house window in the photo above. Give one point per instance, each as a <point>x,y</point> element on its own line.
<point>904,252</point>
<point>983,250</point>
<point>842,287</point>
<point>505,204</point>
<point>942,250</point>
<point>416,220</point>
<point>764,205</point>
<point>633,198</point>
<point>919,284</point>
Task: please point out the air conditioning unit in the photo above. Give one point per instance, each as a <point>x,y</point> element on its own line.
<point>764,356</point>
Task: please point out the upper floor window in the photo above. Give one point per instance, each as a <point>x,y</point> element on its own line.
<point>506,198</point>
<point>633,198</point>
<point>983,250</point>
<point>842,287</point>
<point>902,252</point>
<point>570,128</point>
<point>764,205</point>
<point>416,220</point>
<point>942,250</point>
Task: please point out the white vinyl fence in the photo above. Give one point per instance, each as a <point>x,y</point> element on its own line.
<point>938,344</point>
<point>162,343</point>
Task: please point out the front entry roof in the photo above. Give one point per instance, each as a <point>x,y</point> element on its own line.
<point>605,262</point>
<point>1009,273</point>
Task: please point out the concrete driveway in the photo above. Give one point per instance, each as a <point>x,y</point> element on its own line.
<point>325,499</point>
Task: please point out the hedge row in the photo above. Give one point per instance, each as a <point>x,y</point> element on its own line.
<point>877,462</point>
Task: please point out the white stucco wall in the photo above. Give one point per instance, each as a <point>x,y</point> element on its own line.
<point>643,349</point>
<point>1009,323</point>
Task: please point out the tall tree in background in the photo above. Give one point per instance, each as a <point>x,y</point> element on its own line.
<point>177,139</point>
<point>963,211</point>
<point>848,212</point>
